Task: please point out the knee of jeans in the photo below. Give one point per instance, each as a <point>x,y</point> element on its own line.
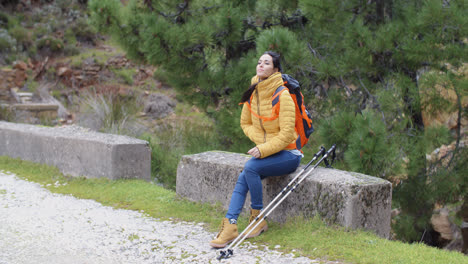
<point>250,167</point>
<point>241,184</point>
<point>250,173</point>
<point>295,167</point>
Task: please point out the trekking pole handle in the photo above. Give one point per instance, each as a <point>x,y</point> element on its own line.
<point>316,155</point>
<point>331,150</point>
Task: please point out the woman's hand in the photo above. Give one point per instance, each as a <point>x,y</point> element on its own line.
<point>254,152</point>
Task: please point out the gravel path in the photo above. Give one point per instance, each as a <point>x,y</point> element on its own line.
<point>37,226</point>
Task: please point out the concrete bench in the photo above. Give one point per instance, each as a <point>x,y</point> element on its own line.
<point>349,199</point>
<point>77,151</point>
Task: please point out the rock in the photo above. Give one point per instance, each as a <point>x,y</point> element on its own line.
<point>11,78</point>
<point>449,116</point>
<point>463,214</point>
<point>445,152</point>
<point>449,234</point>
<point>20,78</point>
<point>119,61</point>
<point>31,113</point>
<point>92,69</point>
<point>159,106</point>
<point>25,97</point>
<point>441,223</point>
<point>349,199</point>
<point>20,65</point>
<point>64,71</point>
<point>76,151</point>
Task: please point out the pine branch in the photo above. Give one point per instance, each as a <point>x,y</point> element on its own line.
<point>181,7</point>
<point>315,52</point>
<point>184,7</point>
<point>348,90</point>
<point>376,102</point>
<point>149,4</point>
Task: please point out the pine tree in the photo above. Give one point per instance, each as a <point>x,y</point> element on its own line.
<point>358,62</point>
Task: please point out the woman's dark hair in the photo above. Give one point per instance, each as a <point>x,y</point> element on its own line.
<point>276,64</point>
<point>276,59</point>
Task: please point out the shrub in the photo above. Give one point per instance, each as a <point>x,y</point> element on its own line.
<point>6,114</point>
<point>22,36</point>
<point>7,43</point>
<point>40,31</point>
<point>125,74</point>
<point>71,50</point>
<point>4,44</point>
<point>69,36</point>
<point>83,31</point>
<point>191,132</point>
<point>50,44</point>
<point>109,113</point>
<point>172,140</point>
<point>9,2</point>
<point>3,20</point>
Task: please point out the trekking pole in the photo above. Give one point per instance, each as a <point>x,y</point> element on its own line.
<point>284,193</point>
<point>285,189</point>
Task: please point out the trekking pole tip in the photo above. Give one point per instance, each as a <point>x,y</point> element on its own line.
<point>224,254</point>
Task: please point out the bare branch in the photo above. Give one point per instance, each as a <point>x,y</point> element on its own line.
<point>375,99</point>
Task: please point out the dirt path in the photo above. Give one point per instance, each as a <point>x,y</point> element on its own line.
<point>37,226</point>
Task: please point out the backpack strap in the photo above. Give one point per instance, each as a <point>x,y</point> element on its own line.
<point>274,104</point>
<point>276,95</point>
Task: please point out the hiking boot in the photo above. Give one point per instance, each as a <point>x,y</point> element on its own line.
<point>262,227</point>
<point>226,235</point>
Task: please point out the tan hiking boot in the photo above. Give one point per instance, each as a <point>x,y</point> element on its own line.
<point>262,227</point>
<point>226,235</point>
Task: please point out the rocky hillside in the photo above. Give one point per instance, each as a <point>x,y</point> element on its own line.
<point>61,71</point>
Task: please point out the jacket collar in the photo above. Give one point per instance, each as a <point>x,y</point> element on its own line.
<point>268,86</point>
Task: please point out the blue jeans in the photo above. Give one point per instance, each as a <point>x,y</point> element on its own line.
<point>250,179</point>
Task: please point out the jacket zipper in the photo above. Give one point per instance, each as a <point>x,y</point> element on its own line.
<point>261,121</point>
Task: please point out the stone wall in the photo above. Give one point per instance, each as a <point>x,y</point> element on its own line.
<point>77,151</point>
<point>349,199</point>
<point>33,113</point>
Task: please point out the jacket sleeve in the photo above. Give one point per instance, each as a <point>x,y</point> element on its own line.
<point>246,122</point>
<point>287,133</point>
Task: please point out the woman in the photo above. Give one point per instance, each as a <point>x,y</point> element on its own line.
<point>275,153</point>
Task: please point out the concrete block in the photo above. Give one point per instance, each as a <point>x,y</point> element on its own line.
<point>348,199</point>
<point>77,151</point>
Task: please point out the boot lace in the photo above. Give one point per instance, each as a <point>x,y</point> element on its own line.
<point>253,216</point>
<point>221,230</point>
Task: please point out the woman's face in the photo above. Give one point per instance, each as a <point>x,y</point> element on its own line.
<point>265,67</point>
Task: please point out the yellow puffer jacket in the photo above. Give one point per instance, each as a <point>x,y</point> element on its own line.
<point>275,135</point>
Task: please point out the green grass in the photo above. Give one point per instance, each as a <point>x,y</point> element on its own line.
<point>125,74</point>
<point>99,57</point>
<point>309,237</point>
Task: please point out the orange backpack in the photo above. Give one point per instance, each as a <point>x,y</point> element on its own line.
<point>303,124</point>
